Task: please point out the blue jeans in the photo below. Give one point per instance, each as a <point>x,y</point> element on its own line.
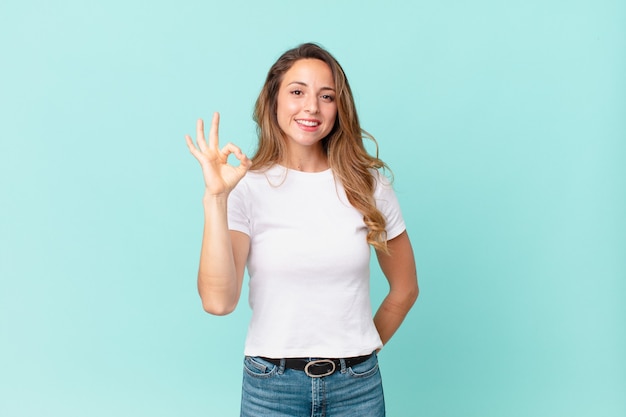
<point>272,390</point>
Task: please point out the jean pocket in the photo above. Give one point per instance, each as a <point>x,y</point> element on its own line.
<point>364,369</point>
<point>259,368</point>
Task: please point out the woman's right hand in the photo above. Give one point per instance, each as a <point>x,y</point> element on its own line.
<point>219,177</point>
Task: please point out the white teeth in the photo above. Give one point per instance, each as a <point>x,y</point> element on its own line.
<point>307,123</point>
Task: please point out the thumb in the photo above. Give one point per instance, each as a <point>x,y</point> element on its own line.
<point>244,164</point>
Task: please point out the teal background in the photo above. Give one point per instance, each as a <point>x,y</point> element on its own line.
<point>504,123</point>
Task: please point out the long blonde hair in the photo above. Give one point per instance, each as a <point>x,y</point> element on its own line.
<point>347,156</point>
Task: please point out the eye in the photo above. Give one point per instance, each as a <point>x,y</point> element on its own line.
<point>297,92</point>
<point>328,97</point>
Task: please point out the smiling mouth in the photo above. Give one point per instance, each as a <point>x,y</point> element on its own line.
<point>308,123</point>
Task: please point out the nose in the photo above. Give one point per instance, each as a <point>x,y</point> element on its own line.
<point>311,105</point>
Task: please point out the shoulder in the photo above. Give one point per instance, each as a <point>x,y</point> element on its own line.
<point>260,181</point>
<point>383,181</point>
<point>257,175</point>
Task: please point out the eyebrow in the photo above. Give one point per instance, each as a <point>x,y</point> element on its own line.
<point>306,85</point>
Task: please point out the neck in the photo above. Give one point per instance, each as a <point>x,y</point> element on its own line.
<point>308,160</point>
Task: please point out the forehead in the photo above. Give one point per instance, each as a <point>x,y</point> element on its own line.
<point>310,71</point>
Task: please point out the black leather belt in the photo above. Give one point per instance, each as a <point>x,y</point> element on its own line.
<point>319,367</point>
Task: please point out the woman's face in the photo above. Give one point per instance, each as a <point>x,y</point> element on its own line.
<point>306,107</point>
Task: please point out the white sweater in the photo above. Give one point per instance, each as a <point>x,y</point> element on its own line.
<point>308,263</point>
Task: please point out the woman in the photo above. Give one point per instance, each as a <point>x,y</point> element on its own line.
<point>301,215</point>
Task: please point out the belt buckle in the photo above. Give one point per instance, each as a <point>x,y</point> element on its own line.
<point>319,362</point>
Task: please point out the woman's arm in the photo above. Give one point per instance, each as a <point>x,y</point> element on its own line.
<point>222,260</point>
<point>223,254</point>
<point>399,269</point>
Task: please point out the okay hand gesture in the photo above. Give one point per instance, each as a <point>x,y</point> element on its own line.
<point>219,176</point>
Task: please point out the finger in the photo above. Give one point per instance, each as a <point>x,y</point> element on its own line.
<point>214,131</point>
<point>244,161</point>
<point>230,148</point>
<point>200,135</point>
<point>189,142</point>
<point>244,164</point>
<point>192,148</point>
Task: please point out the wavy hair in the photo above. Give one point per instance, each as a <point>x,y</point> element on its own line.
<point>349,160</point>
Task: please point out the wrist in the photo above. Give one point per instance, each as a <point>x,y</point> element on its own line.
<point>214,199</point>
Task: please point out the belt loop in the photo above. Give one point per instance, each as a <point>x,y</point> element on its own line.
<point>281,367</point>
<point>342,363</point>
